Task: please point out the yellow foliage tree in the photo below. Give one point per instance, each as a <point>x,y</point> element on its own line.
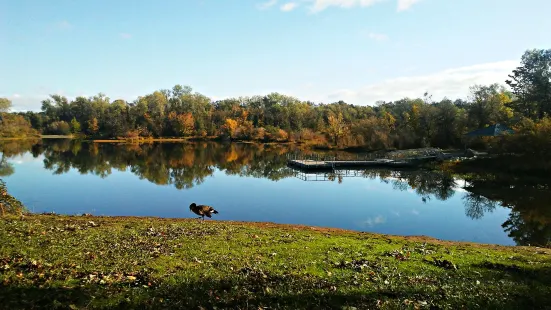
<point>390,120</point>
<point>230,126</point>
<point>337,128</point>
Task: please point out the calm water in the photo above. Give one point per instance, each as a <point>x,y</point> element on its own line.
<point>252,183</point>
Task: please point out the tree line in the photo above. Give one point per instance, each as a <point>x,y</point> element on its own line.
<point>405,123</point>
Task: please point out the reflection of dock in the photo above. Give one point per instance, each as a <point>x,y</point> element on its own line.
<point>308,164</point>
<point>327,176</point>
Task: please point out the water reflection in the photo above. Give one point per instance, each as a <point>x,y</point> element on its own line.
<point>188,165</point>
<point>6,168</point>
<point>11,148</point>
<point>182,165</point>
<point>530,201</point>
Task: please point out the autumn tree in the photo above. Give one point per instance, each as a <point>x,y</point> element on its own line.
<point>337,128</point>
<point>93,126</point>
<point>183,124</point>
<point>15,126</point>
<point>5,105</point>
<point>229,127</point>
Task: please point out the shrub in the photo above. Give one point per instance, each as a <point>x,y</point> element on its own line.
<point>59,128</point>
<point>15,126</point>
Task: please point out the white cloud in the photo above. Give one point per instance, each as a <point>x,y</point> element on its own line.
<point>125,35</point>
<point>377,36</point>
<point>320,5</point>
<point>22,103</point>
<point>452,83</point>
<point>404,5</point>
<point>316,6</point>
<point>266,5</point>
<point>25,158</point>
<point>289,6</point>
<point>374,221</point>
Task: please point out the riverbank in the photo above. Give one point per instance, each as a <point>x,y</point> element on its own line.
<point>49,261</point>
<point>179,139</point>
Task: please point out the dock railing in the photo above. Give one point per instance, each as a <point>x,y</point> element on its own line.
<point>312,157</point>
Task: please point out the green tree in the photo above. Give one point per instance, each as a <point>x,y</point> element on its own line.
<point>75,126</point>
<point>489,105</point>
<point>531,83</point>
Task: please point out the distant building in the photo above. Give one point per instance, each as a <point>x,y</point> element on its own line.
<point>491,131</point>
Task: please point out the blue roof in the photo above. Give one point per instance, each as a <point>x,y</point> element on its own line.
<point>491,131</point>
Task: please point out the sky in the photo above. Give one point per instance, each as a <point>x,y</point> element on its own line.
<point>359,51</point>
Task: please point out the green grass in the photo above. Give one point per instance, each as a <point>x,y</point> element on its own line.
<point>71,262</point>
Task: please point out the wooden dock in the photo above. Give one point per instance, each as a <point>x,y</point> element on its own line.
<point>395,159</point>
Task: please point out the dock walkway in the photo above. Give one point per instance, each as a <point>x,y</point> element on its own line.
<point>396,159</point>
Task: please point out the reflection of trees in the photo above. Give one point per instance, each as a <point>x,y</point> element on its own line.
<point>10,149</point>
<point>527,231</point>
<point>476,205</point>
<point>530,202</point>
<point>529,221</point>
<point>183,165</point>
<point>6,169</point>
<point>425,183</point>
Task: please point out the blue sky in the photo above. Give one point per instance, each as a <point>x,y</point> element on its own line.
<point>359,51</point>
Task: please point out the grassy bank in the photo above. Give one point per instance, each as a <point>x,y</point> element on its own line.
<point>100,262</point>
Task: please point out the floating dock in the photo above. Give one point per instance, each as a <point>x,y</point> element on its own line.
<point>394,159</point>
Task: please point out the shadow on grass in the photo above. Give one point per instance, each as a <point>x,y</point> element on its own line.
<point>255,290</point>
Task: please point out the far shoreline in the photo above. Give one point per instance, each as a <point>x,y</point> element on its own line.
<point>307,143</point>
